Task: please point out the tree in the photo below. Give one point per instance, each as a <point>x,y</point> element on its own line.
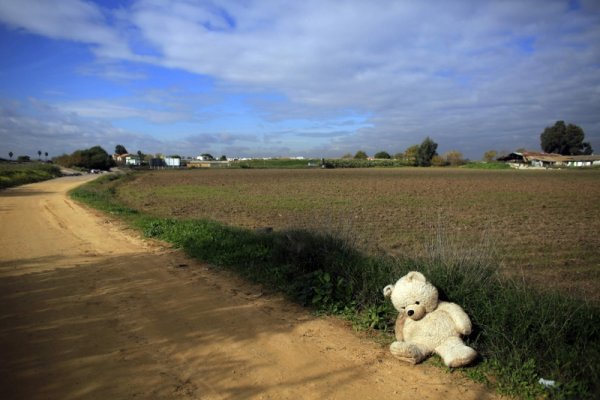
<point>454,158</point>
<point>46,155</point>
<point>207,157</point>
<point>39,154</point>
<point>120,149</point>
<point>223,158</point>
<point>361,155</point>
<point>93,158</point>
<point>490,156</point>
<point>410,154</point>
<point>426,151</point>
<point>10,154</point>
<point>347,155</point>
<point>564,139</point>
<point>23,159</point>
<point>383,154</point>
<point>438,161</point>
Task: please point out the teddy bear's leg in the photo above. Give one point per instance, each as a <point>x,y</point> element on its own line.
<point>455,353</point>
<point>409,352</point>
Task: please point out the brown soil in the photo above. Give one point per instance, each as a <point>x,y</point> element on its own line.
<point>537,225</point>
<point>91,311</point>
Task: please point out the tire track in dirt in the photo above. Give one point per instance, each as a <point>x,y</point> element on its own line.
<point>90,311</point>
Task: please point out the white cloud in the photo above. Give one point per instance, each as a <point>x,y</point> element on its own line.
<point>28,126</point>
<point>473,74</point>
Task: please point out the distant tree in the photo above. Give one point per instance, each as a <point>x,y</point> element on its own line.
<point>93,158</point>
<point>361,155</point>
<point>347,155</point>
<point>10,154</point>
<point>39,154</point>
<point>454,158</point>
<point>223,158</point>
<point>490,156</point>
<point>46,155</point>
<point>410,154</point>
<point>207,156</point>
<point>438,161</point>
<point>23,159</point>
<point>383,154</point>
<point>141,156</point>
<point>564,139</point>
<point>427,150</point>
<point>120,149</point>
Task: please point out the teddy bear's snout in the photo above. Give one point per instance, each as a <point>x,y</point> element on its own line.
<point>415,312</point>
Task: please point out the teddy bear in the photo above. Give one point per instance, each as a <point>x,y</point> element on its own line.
<point>426,325</point>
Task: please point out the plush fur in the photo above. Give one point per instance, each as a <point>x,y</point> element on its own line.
<point>426,325</point>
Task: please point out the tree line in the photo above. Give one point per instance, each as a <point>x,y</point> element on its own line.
<point>419,155</point>
<point>561,138</point>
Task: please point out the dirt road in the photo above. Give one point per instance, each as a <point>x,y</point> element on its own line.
<point>90,311</point>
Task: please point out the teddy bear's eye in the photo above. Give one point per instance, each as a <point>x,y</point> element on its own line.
<point>417,303</point>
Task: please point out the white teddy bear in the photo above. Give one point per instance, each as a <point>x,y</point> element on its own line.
<point>426,325</point>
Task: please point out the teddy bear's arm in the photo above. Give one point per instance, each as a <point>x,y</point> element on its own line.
<point>459,317</point>
<point>400,327</point>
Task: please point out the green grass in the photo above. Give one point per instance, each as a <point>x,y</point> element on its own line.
<point>521,334</point>
<point>486,165</point>
<point>15,174</point>
<point>276,163</point>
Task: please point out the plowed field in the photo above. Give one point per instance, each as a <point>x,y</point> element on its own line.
<point>540,225</point>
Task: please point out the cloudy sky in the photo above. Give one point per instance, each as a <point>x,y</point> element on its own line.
<point>295,78</point>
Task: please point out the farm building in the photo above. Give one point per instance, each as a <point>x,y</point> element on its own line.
<point>544,160</point>
<point>174,162</point>
<point>132,160</point>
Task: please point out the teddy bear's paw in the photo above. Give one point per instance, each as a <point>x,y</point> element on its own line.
<point>462,358</point>
<point>406,352</point>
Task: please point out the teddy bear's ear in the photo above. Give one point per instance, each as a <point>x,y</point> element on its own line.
<point>387,291</point>
<point>415,276</point>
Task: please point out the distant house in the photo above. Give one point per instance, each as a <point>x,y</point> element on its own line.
<point>582,161</point>
<point>121,158</point>
<point>173,162</point>
<point>132,160</point>
<point>527,159</point>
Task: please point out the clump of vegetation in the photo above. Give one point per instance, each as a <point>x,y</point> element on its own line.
<point>93,158</point>
<point>363,163</point>
<point>486,165</point>
<point>15,174</point>
<point>522,334</point>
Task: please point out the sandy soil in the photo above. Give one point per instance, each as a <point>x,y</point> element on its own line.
<point>89,310</point>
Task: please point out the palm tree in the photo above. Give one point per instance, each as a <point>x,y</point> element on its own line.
<point>46,156</point>
<point>39,154</point>
<point>10,154</point>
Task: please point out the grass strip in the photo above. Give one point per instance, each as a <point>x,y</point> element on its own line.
<point>521,334</point>
<point>12,174</point>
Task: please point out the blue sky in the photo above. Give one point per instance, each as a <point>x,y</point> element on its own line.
<point>311,78</point>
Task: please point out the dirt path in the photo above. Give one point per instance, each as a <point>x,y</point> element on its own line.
<point>90,311</point>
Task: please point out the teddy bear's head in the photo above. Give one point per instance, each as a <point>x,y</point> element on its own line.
<point>413,295</point>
